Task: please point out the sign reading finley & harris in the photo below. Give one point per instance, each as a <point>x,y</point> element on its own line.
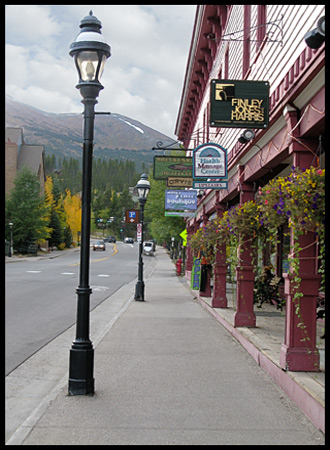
<point>239,104</point>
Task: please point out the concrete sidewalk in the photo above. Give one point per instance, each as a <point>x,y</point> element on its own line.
<point>166,372</point>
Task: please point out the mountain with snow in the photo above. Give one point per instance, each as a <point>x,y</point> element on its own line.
<point>115,136</point>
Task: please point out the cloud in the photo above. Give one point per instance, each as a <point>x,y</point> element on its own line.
<point>30,23</point>
<point>142,79</point>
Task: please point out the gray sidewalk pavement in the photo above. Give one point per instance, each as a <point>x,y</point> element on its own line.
<point>166,372</point>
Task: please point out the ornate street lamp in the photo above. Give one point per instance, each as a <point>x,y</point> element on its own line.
<point>143,188</point>
<point>90,51</point>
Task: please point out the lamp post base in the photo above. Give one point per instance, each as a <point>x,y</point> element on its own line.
<point>81,380</point>
<point>139,291</point>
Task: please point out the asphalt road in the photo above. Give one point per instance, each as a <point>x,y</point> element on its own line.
<point>41,295</point>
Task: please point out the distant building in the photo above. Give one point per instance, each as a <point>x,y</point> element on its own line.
<point>19,154</point>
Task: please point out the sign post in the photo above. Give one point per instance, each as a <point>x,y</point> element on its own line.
<point>139,232</point>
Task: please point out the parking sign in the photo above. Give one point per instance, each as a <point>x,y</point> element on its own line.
<point>132,216</point>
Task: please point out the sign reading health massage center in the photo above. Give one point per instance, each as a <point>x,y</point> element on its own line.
<point>209,161</point>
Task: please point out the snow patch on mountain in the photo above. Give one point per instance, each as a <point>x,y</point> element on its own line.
<point>134,126</point>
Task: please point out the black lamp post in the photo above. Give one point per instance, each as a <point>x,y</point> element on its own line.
<point>143,188</point>
<point>11,250</point>
<point>90,52</point>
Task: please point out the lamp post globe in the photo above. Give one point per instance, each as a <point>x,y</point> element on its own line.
<point>143,188</point>
<point>90,51</point>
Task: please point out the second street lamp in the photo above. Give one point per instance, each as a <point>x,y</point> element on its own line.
<point>90,52</point>
<point>143,188</point>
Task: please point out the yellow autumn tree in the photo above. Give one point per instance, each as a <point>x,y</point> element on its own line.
<point>49,197</point>
<point>72,208</point>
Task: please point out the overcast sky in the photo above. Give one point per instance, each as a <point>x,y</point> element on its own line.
<point>142,79</point>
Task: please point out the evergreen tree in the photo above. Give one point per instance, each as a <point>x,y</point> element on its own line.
<point>26,209</point>
<point>56,237</point>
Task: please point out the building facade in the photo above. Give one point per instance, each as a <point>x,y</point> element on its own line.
<point>259,43</point>
<point>19,154</point>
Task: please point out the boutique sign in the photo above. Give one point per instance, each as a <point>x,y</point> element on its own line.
<point>180,200</point>
<point>239,104</point>
<point>209,161</point>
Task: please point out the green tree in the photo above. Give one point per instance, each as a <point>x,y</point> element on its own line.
<point>56,237</point>
<point>161,228</point>
<point>27,210</point>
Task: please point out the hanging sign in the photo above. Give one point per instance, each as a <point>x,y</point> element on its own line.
<point>209,161</point>
<point>172,166</point>
<point>210,184</point>
<point>179,214</point>
<point>180,182</point>
<point>239,104</point>
<point>180,200</point>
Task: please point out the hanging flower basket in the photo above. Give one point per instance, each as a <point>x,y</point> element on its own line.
<point>243,219</point>
<point>298,200</point>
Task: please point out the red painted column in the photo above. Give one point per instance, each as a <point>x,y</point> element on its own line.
<point>299,351</point>
<point>189,260</point>
<point>207,290</point>
<point>245,316</point>
<point>219,298</point>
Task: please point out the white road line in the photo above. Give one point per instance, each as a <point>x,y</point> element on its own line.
<point>67,273</point>
<point>103,275</point>
<point>33,271</point>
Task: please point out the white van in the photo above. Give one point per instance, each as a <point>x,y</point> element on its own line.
<point>148,248</point>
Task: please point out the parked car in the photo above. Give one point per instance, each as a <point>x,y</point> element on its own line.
<point>110,239</point>
<point>99,245</point>
<point>148,248</point>
<point>129,240</point>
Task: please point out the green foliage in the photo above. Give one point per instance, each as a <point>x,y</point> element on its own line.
<point>160,227</point>
<point>106,174</point>
<point>56,236</point>
<point>26,209</point>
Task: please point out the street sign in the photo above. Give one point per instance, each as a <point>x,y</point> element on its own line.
<point>210,184</point>
<point>239,104</point>
<point>139,232</point>
<point>209,161</point>
<point>132,216</point>
<point>183,235</point>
